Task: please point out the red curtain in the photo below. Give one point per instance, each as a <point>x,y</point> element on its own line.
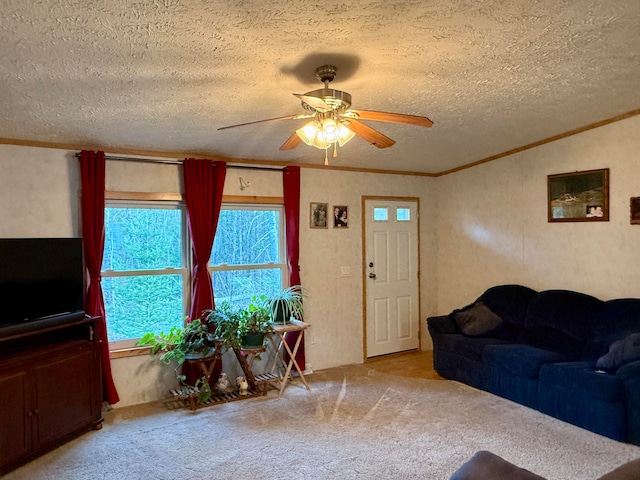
<point>291,193</point>
<point>92,172</point>
<point>203,185</point>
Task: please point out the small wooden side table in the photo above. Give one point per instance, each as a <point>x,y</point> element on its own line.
<point>281,331</point>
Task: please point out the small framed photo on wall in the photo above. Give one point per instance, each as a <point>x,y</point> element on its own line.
<point>340,216</point>
<point>318,215</point>
<point>635,210</point>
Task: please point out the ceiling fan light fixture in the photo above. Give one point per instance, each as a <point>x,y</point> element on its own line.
<point>325,132</point>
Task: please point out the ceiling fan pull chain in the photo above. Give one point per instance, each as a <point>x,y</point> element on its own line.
<point>326,160</point>
<point>335,150</point>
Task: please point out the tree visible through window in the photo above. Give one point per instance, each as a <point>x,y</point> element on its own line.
<point>146,265</point>
<point>248,253</point>
<point>144,269</point>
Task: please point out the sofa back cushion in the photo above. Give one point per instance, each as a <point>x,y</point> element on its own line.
<point>616,319</point>
<point>560,320</point>
<point>509,302</point>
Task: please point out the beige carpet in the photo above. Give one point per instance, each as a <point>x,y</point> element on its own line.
<point>356,423</point>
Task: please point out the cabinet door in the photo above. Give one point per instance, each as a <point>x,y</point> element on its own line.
<point>66,397</point>
<point>15,420</point>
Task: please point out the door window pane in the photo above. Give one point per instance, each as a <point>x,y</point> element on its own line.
<point>403,214</point>
<point>380,214</point>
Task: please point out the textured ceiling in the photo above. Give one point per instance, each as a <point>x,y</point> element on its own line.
<point>164,75</point>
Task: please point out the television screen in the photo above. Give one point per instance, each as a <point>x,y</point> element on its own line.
<point>40,277</point>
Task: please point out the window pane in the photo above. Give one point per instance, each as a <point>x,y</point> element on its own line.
<point>247,237</point>
<point>238,286</point>
<point>380,214</point>
<point>145,303</point>
<point>403,214</point>
<point>133,242</point>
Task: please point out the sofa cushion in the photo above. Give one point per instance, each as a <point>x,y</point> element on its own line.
<point>615,320</point>
<point>464,346</point>
<point>477,320</point>
<point>552,339</point>
<point>560,320</point>
<point>509,302</point>
<point>521,360</point>
<point>583,379</point>
<point>620,353</point>
<point>485,465</point>
<point>628,471</point>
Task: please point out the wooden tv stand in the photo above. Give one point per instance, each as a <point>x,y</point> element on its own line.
<point>50,389</point>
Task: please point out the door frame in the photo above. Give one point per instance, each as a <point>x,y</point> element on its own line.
<point>364,199</point>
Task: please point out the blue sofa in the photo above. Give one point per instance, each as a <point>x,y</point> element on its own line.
<point>564,353</point>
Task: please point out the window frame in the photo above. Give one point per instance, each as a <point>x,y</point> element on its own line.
<point>127,348</point>
<point>160,203</point>
<point>282,249</point>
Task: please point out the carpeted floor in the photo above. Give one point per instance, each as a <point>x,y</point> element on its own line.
<point>355,423</point>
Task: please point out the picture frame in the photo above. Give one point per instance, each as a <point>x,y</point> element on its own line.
<point>634,210</point>
<point>340,216</point>
<point>318,215</point>
<point>578,196</point>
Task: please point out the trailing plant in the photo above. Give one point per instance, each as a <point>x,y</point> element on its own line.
<point>176,345</point>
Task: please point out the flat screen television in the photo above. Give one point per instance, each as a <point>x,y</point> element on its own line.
<point>40,279</point>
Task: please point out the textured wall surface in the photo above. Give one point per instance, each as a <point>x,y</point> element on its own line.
<point>164,75</point>
<point>492,222</point>
<point>478,227</point>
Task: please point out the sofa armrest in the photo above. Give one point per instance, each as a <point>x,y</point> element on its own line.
<point>628,471</point>
<point>442,324</point>
<point>630,376</point>
<point>485,465</point>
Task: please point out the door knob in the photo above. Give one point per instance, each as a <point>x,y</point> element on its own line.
<point>372,275</point>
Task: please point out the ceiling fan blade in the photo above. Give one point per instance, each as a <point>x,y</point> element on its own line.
<point>288,117</point>
<point>292,142</point>
<point>372,136</point>
<point>417,120</point>
<point>314,102</point>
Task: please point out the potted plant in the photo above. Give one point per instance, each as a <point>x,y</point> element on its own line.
<point>241,327</point>
<point>287,303</point>
<point>255,325</point>
<point>178,345</point>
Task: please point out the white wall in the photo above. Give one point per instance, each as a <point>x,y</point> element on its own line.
<point>480,227</point>
<point>39,189</point>
<point>493,229</point>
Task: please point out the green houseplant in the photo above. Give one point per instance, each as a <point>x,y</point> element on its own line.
<point>241,327</point>
<point>175,346</point>
<point>287,303</point>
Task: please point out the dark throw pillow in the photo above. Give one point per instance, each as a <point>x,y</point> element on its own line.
<point>620,353</point>
<point>477,320</point>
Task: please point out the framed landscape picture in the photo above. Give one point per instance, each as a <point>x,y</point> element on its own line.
<point>579,196</point>
<point>318,215</point>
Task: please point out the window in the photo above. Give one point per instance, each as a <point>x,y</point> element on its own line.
<point>147,263</point>
<point>403,214</point>
<point>380,214</point>
<point>248,253</point>
<point>145,273</point>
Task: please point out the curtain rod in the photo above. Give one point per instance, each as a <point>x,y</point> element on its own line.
<point>172,161</point>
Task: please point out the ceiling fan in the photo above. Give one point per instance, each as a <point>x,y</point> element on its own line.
<point>333,122</point>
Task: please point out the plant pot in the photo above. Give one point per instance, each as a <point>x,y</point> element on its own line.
<point>282,313</point>
<point>253,339</point>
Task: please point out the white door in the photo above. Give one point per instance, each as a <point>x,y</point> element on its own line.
<point>391,271</point>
